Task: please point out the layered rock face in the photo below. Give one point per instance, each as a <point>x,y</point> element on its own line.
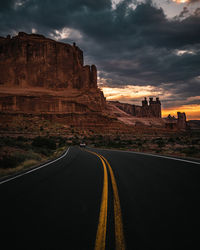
<point>41,79</point>
<point>33,60</point>
<point>40,75</point>
<point>151,109</point>
<point>179,123</point>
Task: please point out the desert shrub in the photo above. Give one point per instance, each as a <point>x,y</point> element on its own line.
<point>92,139</point>
<point>43,151</point>
<point>100,137</point>
<point>30,155</point>
<point>22,138</point>
<point>20,156</point>
<point>139,144</point>
<point>190,150</point>
<point>160,143</point>
<point>195,141</point>
<point>134,142</point>
<point>12,161</point>
<point>44,142</point>
<point>117,138</point>
<point>8,162</point>
<point>75,141</point>
<point>158,151</point>
<point>61,142</point>
<point>113,144</point>
<point>129,142</point>
<point>29,163</point>
<point>13,142</point>
<point>171,140</point>
<point>7,141</point>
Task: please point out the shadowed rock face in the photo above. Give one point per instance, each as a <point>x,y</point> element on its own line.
<point>151,109</point>
<point>39,75</point>
<point>33,60</point>
<point>181,123</point>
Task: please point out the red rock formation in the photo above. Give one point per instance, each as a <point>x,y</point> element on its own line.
<point>33,60</point>
<point>178,123</point>
<point>126,107</point>
<point>39,75</point>
<point>44,79</point>
<point>153,110</point>
<point>181,122</point>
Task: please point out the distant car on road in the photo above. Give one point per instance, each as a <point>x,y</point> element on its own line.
<point>82,145</point>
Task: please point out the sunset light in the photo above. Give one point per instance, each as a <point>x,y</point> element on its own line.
<point>180,1</point>
<point>130,94</point>
<point>192,111</point>
<point>100,123</point>
<point>135,94</point>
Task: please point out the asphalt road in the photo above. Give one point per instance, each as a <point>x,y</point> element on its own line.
<point>109,200</point>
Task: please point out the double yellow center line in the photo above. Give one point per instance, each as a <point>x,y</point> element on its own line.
<point>100,242</point>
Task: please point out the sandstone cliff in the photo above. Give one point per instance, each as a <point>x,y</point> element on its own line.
<point>40,75</point>
<point>41,79</point>
<point>33,60</point>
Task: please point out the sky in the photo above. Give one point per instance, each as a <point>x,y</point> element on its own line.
<point>140,47</point>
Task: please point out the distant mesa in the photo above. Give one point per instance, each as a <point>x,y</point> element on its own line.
<point>151,109</point>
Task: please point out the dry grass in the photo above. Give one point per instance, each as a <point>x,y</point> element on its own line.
<point>29,163</point>
<point>33,160</point>
<point>58,152</point>
<point>22,166</point>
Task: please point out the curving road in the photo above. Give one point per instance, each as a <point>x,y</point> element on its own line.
<point>103,199</point>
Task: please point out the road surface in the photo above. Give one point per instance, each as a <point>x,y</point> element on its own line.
<point>103,199</point>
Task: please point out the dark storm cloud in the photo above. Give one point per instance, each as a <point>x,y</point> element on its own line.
<point>6,4</point>
<point>184,12</point>
<point>137,45</point>
<point>193,1</point>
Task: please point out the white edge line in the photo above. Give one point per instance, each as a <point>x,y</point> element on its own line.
<point>159,156</point>
<point>34,169</point>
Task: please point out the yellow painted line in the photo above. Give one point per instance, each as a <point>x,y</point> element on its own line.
<point>100,242</point>
<point>119,233</point>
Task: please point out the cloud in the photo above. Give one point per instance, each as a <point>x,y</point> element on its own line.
<point>184,12</point>
<point>132,43</point>
<point>193,1</point>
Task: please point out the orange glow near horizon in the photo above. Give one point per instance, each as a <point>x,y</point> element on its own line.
<point>129,93</point>
<point>192,111</point>
<point>180,1</point>
<point>135,94</point>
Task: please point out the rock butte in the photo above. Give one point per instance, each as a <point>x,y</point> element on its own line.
<point>44,78</point>
<point>33,66</point>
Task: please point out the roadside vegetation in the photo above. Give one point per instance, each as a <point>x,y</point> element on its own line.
<point>182,144</point>
<point>18,153</point>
